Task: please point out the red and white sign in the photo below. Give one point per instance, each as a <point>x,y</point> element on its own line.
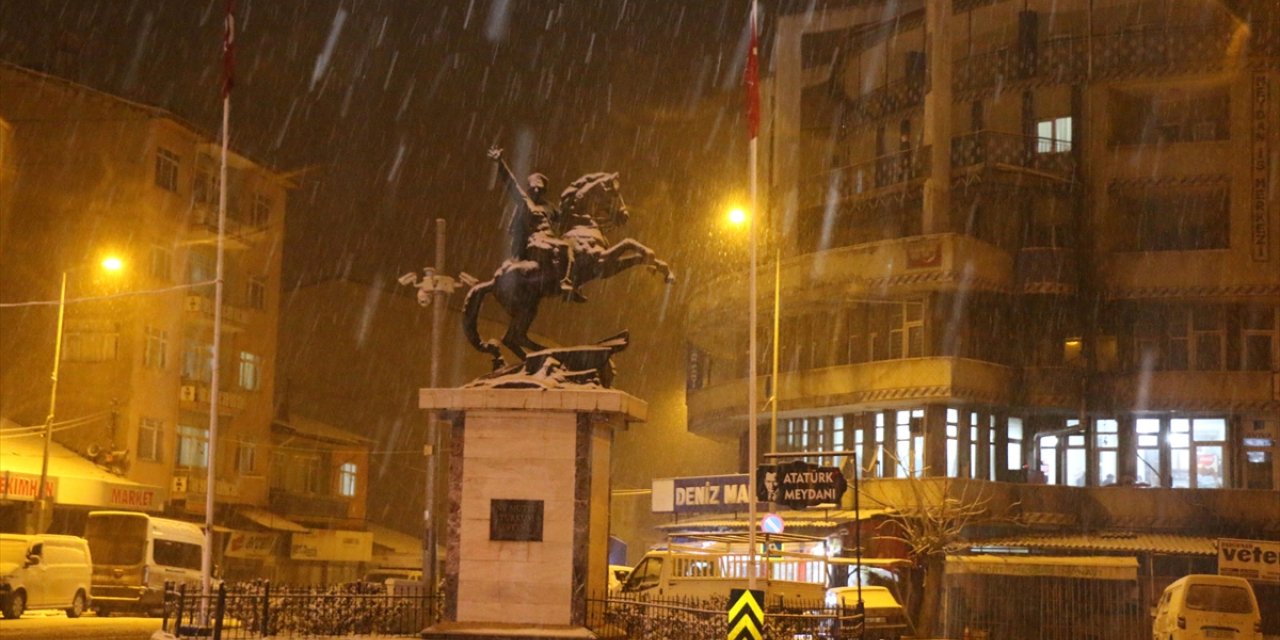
<point>131,497</point>
<point>20,486</point>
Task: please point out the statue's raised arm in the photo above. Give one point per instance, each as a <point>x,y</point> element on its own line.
<point>517,195</point>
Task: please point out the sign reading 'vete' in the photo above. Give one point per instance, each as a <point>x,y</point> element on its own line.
<point>800,484</point>
<point>1256,560</point>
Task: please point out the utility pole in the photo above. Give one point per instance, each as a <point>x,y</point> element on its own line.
<point>433,290</point>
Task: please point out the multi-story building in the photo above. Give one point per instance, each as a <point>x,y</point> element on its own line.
<point>86,174</point>
<point>1022,241</point>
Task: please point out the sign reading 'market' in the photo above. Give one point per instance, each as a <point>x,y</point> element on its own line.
<point>1256,560</point>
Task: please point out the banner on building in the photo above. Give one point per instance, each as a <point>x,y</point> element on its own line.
<point>133,497</point>
<point>701,494</point>
<point>1075,567</point>
<point>24,487</point>
<point>1256,560</point>
<point>251,544</point>
<point>333,545</point>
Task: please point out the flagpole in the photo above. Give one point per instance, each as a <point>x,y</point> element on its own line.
<point>206,558</point>
<point>753,115</point>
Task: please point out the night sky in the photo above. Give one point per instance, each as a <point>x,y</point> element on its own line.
<point>388,109</point>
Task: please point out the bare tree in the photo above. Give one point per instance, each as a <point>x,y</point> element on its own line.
<point>928,515</point>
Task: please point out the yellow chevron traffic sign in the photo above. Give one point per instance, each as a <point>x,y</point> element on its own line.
<point>746,614</point>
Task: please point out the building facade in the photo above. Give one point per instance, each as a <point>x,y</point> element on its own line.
<point>88,175</point>
<point>1019,240</point>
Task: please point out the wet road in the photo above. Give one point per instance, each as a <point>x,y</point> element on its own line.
<point>40,625</point>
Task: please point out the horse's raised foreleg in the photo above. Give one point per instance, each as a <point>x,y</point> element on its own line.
<point>628,253</point>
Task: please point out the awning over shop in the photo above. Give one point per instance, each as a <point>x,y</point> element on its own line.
<point>1117,542</point>
<point>270,520</point>
<point>394,549</point>
<point>1078,567</point>
<point>808,521</point>
<point>72,479</point>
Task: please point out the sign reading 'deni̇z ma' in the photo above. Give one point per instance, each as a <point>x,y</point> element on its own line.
<point>701,494</point>
<point>1256,560</point>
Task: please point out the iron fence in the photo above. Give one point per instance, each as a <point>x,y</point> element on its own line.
<point>618,617</point>
<point>262,610</point>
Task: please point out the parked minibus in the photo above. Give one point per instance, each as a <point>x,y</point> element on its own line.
<point>134,554</point>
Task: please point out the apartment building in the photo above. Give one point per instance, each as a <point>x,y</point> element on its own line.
<point>88,175</point>
<point>1025,242</point>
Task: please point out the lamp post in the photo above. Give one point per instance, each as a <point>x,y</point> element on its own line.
<point>111,263</point>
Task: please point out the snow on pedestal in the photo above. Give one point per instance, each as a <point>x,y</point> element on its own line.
<point>528,514</point>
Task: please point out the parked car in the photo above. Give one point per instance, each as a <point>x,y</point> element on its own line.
<point>44,572</point>
<point>1207,606</point>
<point>883,616</point>
<point>381,576</point>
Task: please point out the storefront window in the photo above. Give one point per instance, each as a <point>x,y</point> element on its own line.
<point>1107,441</point>
<point>1148,432</point>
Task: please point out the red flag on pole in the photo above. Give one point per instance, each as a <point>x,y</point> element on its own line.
<point>752,81</point>
<point>228,49</point>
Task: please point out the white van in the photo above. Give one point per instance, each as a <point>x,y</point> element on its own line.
<point>135,554</point>
<point>44,572</point>
<point>1207,606</point>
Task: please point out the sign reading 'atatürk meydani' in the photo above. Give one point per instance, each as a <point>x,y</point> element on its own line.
<point>515,520</point>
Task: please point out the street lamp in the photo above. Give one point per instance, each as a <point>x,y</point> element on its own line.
<point>112,264</point>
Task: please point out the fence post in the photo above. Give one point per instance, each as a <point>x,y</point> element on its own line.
<point>266,609</point>
<point>182,600</point>
<point>221,609</point>
<point>168,598</point>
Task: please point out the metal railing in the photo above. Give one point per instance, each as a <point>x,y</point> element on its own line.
<point>617,617</point>
<point>262,610</point>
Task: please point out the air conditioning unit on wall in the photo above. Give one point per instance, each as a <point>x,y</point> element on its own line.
<point>188,393</point>
<point>179,484</point>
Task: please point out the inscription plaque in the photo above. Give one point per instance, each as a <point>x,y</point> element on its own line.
<point>515,520</point>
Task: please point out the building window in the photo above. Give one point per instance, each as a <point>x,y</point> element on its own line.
<point>257,293</point>
<point>1149,468</point>
<point>312,475</point>
<point>1053,135</point>
<point>909,444</point>
<point>90,341</point>
<point>204,190</point>
<point>201,266</point>
<point>1181,339</point>
<point>166,169</point>
<point>197,361</point>
<point>155,354</point>
<point>161,264</point>
<point>1161,217</point>
<point>1015,444</point>
<point>1258,339</point>
<point>150,437</point>
<point>1197,452</point>
<point>250,371</point>
<point>260,213</point>
<point>247,457</point>
<point>193,446</point>
<point>953,443</point>
<point>1106,440</point>
<point>347,479</point>
<point>906,330</point>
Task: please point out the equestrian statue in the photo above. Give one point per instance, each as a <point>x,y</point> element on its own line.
<point>555,250</point>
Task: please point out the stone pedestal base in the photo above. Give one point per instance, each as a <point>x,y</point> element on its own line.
<point>528,508</point>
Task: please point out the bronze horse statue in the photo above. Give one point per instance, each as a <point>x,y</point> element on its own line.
<point>586,205</point>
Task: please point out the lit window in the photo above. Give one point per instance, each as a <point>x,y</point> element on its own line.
<point>250,371</point>
<point>155,354</point>
<point>1053,135</point>
<point>347,479</point>
<point>193,446</point>
<point>150,435</point>
<point>166,169</point>
<point>1015,444</point>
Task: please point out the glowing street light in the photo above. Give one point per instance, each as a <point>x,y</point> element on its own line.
<point>737,216</point>
<point>112,264</point>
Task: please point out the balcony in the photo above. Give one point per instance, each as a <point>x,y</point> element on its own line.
<point>204,227</point>
<point>200,308</point>
<point>308,505</point>
<point>720,409</point>
<point>885,175</point>
<point>1193,391</point>
<point>1046,270</point>
<point>891,98</point>
<point>194,396</point>
<point>1011,151</point>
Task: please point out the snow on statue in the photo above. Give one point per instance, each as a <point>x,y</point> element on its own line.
<point>555,250</point>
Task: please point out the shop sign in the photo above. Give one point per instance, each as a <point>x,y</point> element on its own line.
<point>21,486</point>
<point>1256,560</point>
<point>333,545</point>
<point>143,498</point>
<point>701,494</point>
<point>250,544</point>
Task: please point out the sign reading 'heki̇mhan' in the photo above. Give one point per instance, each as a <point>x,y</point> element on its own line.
<point>800,484</point>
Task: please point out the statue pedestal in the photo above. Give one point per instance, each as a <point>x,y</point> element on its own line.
<point>528,508</point>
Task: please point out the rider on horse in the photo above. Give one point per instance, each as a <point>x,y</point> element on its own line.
<point>533,229</point>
